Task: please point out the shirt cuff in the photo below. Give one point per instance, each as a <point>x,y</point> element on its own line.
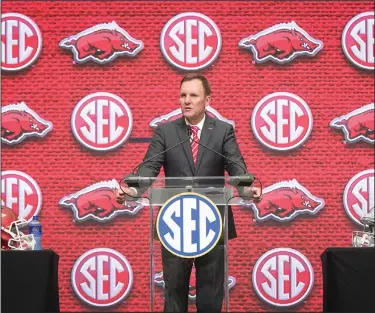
<point>135,190</point>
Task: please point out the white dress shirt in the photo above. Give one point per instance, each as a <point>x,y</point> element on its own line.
<point>199,125</point>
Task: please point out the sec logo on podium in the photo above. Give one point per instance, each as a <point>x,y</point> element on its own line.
<point>189,225</point>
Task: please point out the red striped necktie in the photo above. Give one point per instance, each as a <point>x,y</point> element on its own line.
<point>194,143</point>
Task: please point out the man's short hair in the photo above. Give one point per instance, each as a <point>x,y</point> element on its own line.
<point>204,80</point>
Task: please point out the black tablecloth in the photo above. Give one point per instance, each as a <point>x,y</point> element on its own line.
<point>348,279</point>
<point>29,281</point>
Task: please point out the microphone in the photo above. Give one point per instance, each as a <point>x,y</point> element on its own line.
<point>244,181</point>
<point>133,180</point>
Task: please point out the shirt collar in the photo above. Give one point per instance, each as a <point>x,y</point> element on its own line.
<point>200,124</point>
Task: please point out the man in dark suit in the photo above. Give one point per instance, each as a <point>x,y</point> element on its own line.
<point>190,159</point>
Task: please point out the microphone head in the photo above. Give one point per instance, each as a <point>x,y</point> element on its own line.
<point>132,180</point>
<point>188,127</point>
<point>245,180</point>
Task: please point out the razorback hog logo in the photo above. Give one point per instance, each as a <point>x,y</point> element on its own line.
<point>281,43</point>
<point>358,197</point>
<point>358,40</point>
<point>284,201</point>
<point>357,125</point>
<point>176,114</point>
<point>21,41</point>
<point>21,193</point>
<point>19,122</point>
<point>102,43</point>
<point>159,281</point>
<point>98,202</point>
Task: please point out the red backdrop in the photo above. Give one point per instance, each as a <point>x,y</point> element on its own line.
<point>328,82</point>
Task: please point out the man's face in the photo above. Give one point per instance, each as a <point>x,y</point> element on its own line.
<point>193,101</point>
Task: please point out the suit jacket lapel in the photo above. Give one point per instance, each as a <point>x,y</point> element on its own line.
<point>207,131</point>
<point>182,133</point>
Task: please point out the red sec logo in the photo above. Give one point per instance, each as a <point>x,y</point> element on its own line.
<point>283,277</point>
<point>281,121</point>
<point>358,40</point>
<point>21,41</point>
<point>21,193</point>
<point>101,121</point>
<point>190,41</point>
<point>102,277</point>
<point>359,195</point>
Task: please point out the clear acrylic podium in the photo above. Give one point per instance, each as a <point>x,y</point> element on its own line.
<point>222,191</point>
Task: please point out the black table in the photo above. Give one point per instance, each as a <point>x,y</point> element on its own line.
<point>29,281</point>
<point>348,279</point>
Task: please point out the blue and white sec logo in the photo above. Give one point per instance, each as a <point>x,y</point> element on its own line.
<point>189,225</point>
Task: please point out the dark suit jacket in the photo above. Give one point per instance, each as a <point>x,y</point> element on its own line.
<point>178,162</point>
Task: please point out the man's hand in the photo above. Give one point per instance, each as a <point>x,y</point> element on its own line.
<point>121,194</point>
<point>254,192</point>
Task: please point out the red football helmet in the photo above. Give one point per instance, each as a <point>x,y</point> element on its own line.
<point>11,237</point>
<point>366,237</point>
